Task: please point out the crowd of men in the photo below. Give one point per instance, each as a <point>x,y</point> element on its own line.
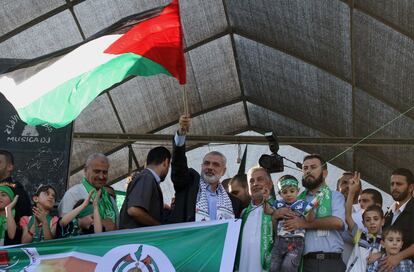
<point>311,231</point>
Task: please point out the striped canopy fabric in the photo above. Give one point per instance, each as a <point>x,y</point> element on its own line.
<point>323,68</point>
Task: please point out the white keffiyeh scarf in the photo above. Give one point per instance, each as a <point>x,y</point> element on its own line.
<point>224,206</point>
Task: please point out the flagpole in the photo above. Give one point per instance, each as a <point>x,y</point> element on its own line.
<point>185,99</point>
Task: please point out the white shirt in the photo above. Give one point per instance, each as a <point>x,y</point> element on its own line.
<point>157,178</point>
<point>179,139</point>
<point>346,235</point>
<point>73,195</point>
<point>395,212</point>
<point>250,259</point>
<point>357,216</point>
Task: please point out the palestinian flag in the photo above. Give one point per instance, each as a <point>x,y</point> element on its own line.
<point>54,89</point>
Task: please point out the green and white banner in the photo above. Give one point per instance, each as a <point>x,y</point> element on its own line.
<point>203,246</point>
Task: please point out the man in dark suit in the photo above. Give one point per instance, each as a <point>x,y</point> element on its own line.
<point>144,204</point>
<point>401,215</point>
<point>199,197</point>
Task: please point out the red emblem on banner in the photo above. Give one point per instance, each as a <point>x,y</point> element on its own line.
<point>4,258</point>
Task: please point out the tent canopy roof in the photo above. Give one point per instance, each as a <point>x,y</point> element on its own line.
<point>320,68</point>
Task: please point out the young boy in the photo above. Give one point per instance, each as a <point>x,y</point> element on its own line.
<point>366,241</point>
<point>288,247</point>
<point>83,219</point>
<point>7,223</point>
<point>392,241</point>
<point>41,225</point>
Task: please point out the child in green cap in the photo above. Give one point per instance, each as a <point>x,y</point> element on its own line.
<point>288,247</point>
<point>83,219</point>
<point>7,223</point>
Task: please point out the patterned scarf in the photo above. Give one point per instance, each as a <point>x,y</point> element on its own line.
<point>106,209</point>
<point>323,199</point>
<point>369,241</point>
<point>224,206</point>
<point>266,237</point>
<point>70,232</point>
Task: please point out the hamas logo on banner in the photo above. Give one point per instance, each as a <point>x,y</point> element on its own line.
<point>17,261</point>
<point>139,258</point>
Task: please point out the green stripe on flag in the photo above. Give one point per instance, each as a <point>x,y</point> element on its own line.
<point>65,102</point>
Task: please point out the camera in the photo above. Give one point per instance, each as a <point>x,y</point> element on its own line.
<point>272,163</point>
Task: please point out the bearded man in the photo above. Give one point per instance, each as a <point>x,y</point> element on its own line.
<point>199,197</point>
<point>401,215</point>
<point>323,240</point>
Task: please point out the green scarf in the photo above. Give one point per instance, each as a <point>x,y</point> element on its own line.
<point>324,199</point>
<point>266,239</point>
<point>38,234</point>
<point>3,226</point>
<point>106,209</point>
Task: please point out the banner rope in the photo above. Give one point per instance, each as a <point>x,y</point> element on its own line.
<point>371,134</point>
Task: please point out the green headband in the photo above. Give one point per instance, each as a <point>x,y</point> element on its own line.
<point>86,211</point>
<point>8,191</point>
<point>287,183</point>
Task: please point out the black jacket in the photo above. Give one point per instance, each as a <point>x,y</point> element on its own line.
<point>186,184</point>
<point>404,222</point>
